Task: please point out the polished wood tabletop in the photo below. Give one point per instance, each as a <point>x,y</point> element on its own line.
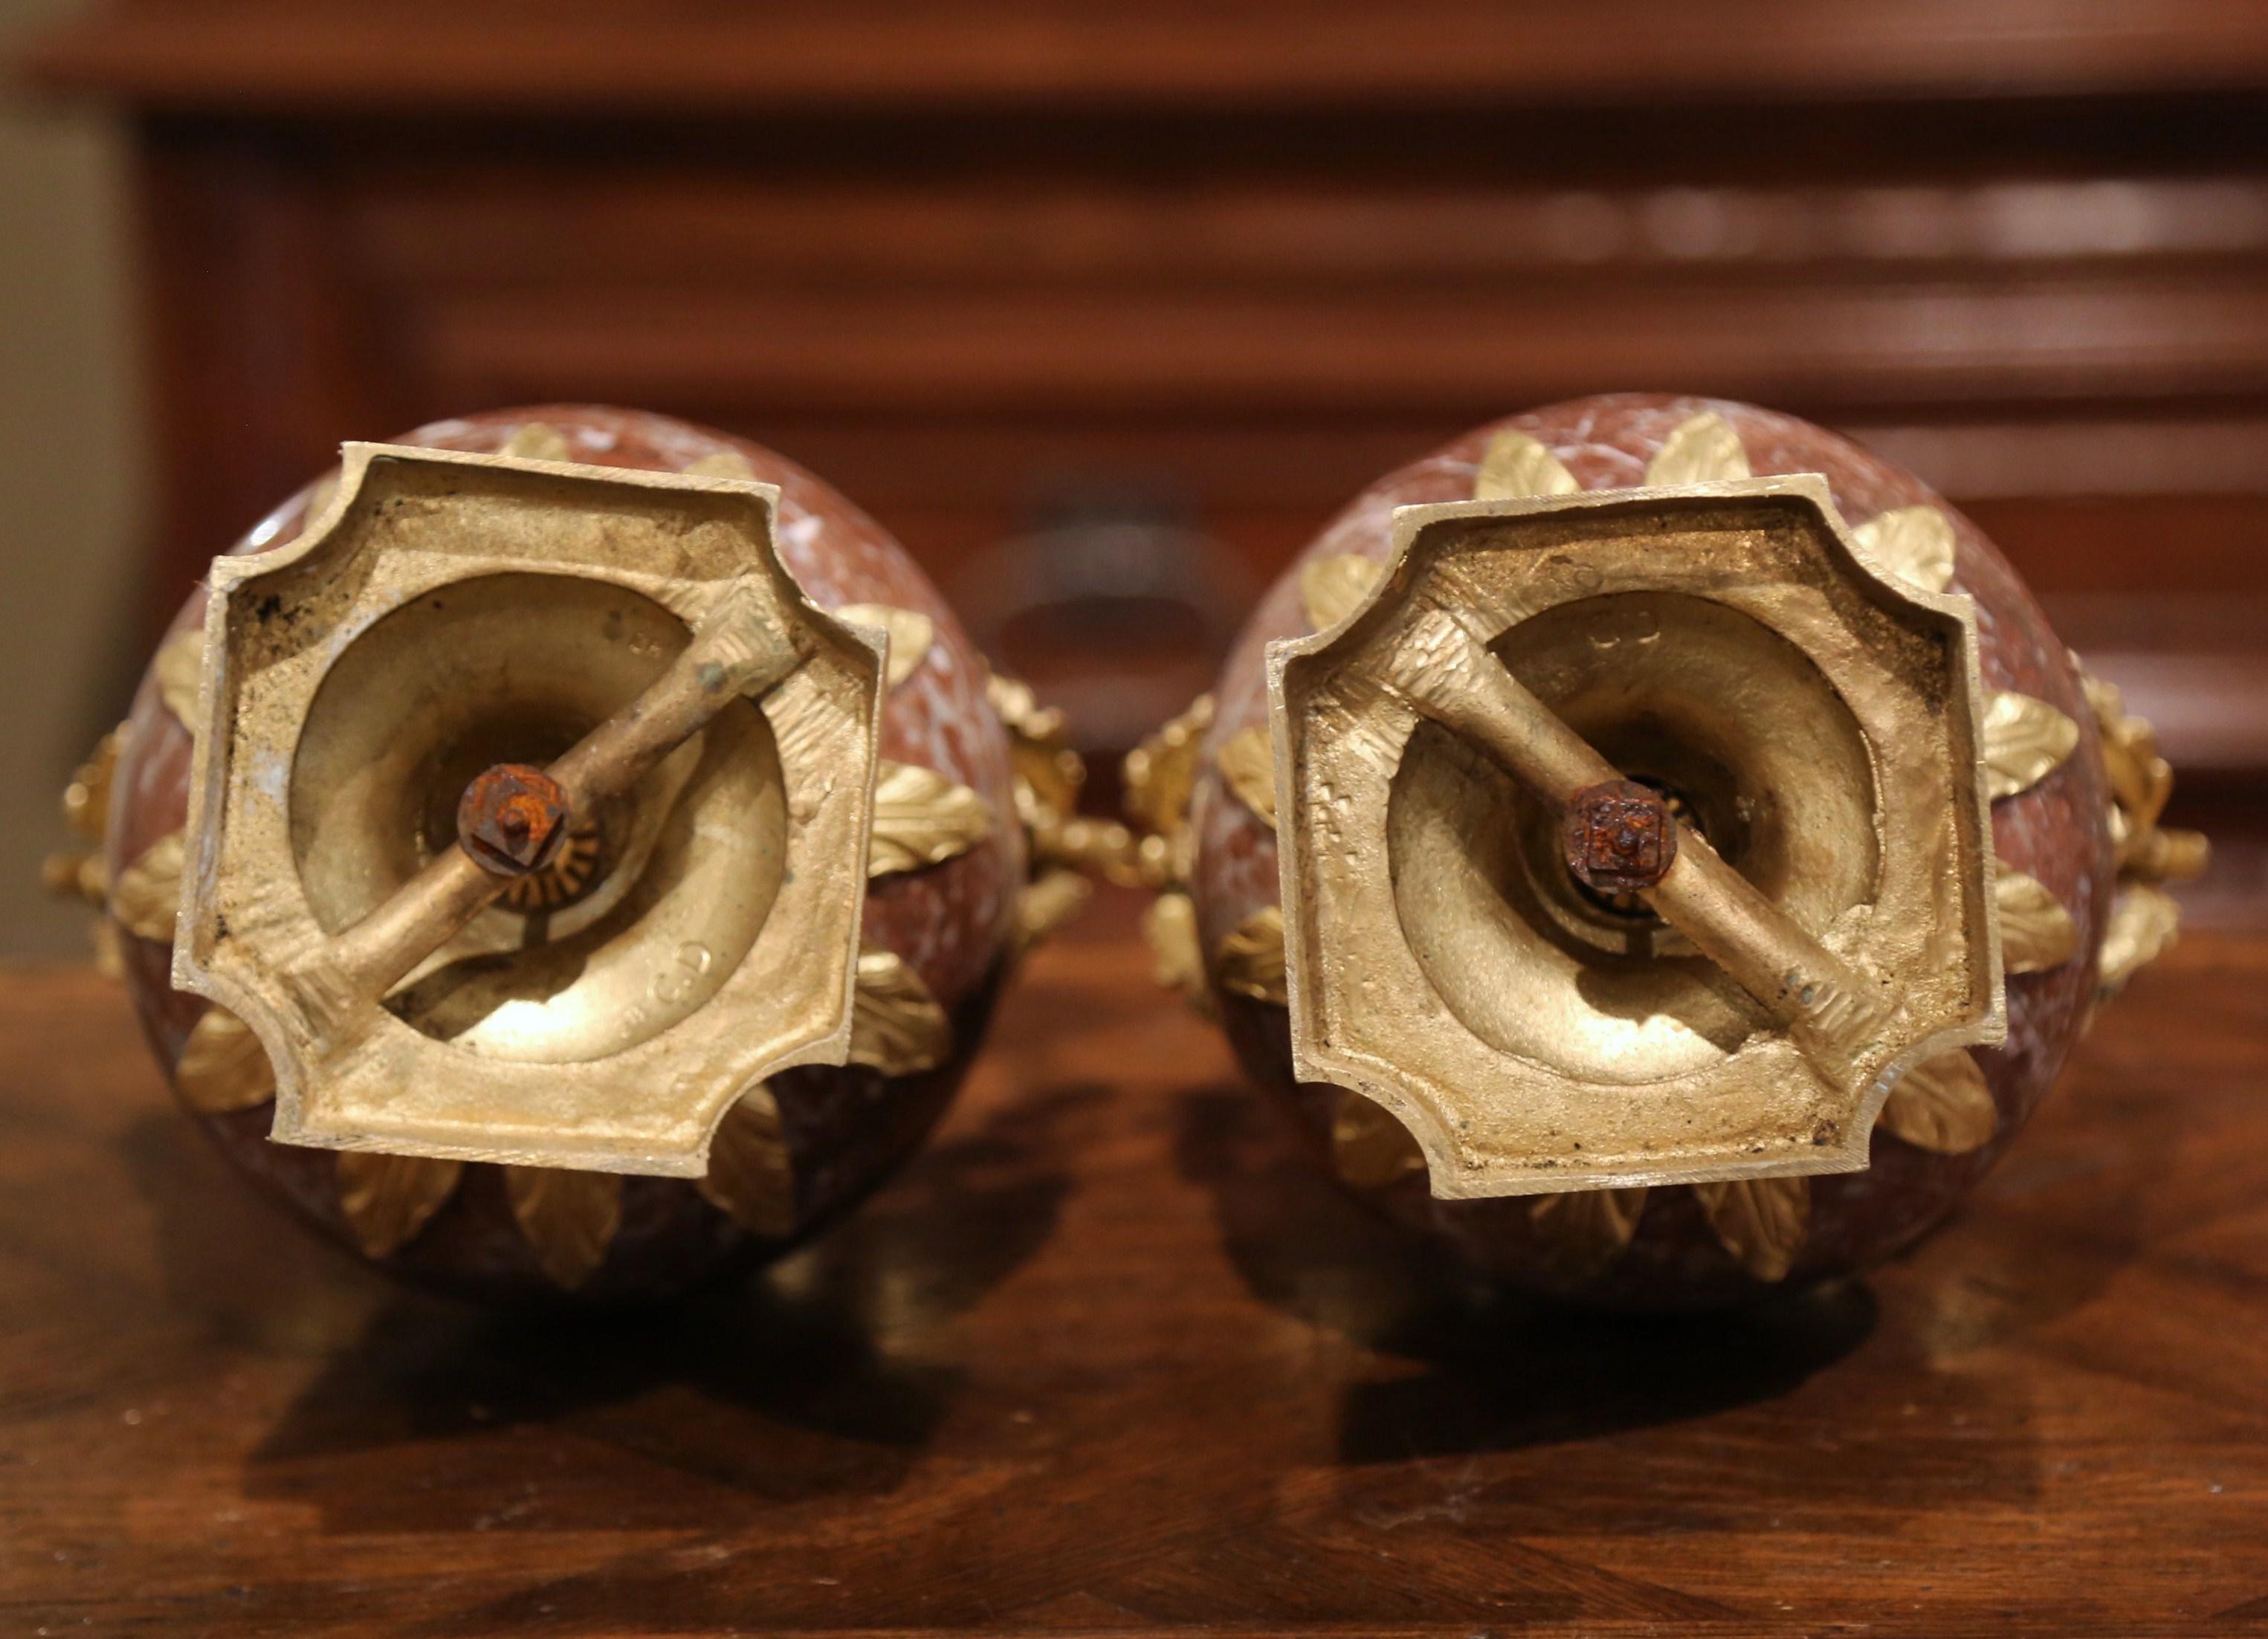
<point>1112,1356</point>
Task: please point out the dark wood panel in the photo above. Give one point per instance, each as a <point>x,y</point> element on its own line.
<point>1113,1357</point>
<point>1300,353</point>
<point>325,54</point>
<point>432,223</point>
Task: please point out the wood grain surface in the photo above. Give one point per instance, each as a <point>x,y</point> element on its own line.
<point>1112,1356</point>
<point>681,53</point>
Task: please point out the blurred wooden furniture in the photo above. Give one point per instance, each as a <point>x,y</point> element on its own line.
<point>1109,1357</point>
<point>1245,256</point>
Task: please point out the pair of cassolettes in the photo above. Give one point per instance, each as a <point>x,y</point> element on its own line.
<point>1653,847</point>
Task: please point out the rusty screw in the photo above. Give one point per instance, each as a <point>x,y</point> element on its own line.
<point>1619,836</point>
<point>511,820</point>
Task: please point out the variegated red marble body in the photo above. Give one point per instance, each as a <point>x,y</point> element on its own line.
<point>2056,831</point>
<point>845,1127</point>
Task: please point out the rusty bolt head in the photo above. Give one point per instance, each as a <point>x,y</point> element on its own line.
<point>512,819</point>
<point>1619,836</point>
